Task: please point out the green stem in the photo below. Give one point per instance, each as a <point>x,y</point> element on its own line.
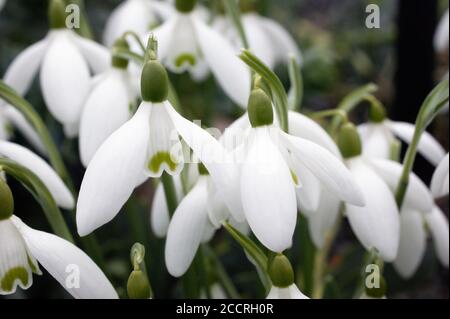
<point>233,11</point>
<point>170,193</point>
<point>336,113</point>
<point>296,79</point>
<point>136,37</point>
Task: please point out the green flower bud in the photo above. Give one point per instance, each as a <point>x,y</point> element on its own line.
<point>57,14</point>
<point>154,82</point>
<point>118,62</point>
<point>280,271</point>
<point>379,292</point>
<point>260,110</point>
<point>6,201</point>
<point>202,169</point>
<point>377,113</point>
<point>138,286</point>
<point>262,84</point>
<point>185,6</point>
<point>349,141</point>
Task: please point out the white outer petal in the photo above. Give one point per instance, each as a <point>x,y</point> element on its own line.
<point>412,243</point>
<point>21,71</point>
<point>186,230</point>
<point>64,78</point>
<point>308,194</point>
<point>428,146</point>
<point>438,225</point>
<point>376,225</point>
<point>417,195</point>
<point>440,180</point>
<point>97,56</point>
<point>376,139</point>
<point>291,292</point>
<point>41,169</point>
<point>258,40</point>
<point>326,167</point>
<point>61,258</point>
<point>231,73</point>
<point>164,35</point>
<point>113,173</point>
<point>268,193</point>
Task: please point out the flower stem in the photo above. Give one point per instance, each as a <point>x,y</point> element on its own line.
<point>233,11</point>
<point>170,193</point>
<point>296,79</point>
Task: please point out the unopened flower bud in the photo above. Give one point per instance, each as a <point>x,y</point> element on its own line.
<point>280,271</point>
<point>154,82</point>
<point>377,113</point>
<point>6,201</point>
<point>349,141</point>
<point>138,286</point>
<point>260,110</point>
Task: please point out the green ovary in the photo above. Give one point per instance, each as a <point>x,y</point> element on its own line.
<point>158,159</point>
<point>185,58</point>
<point>16,273</point>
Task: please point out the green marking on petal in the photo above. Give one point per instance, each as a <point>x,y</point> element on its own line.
<point>294,178</point>
<point>158,159</point>
<point>16,273</point>
<point>185,58</point>
<point>33,266</point>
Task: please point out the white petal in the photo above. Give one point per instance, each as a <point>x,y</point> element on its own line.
<point>326,167</point>
<point>258,39</point>
<point>15,270</point>
<point>71,130</point>
<point>440,180</point>
<point>186,230</point>
<point>441,34</point>
<point>217,210</point>
<point>376,139</point>
<point>308,194</point>
<point>159,214</point>
<point>412,243</point>
<point>324,218</point>
<point>64,261</point>
<point>41,169</point>
<point>113,173</point>
<point>377,224</point>
<point>428,146</point>
<point>291,292</point>
<point>417,195</point>
<point>228,69</point>
<point>21,71</point>
<point>96,55</point>
<point>268,194</point>
<point>282,42</point>
<point>438,225</point>
<point>304,127</point>
<point>165,151</point>
<point>164,35</point>
<point>64,79</point>
<point>107,107</point>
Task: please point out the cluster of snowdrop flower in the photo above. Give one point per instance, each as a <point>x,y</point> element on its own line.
<point>255,178</point>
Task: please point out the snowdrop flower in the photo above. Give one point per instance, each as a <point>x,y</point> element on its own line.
<point>379,134</point>
<point>64,60</point>
<point>441,34</point>
<point>109,105</point>
<point>440,180</point>
<point>282,277</point>
<point>21,248</point>
<point>186,43</point>
<point>274,164</point>
<point>61,194</point>
<point>135,15</point>
<point>267,39</point>
<point>143,147</point>
<point>414,225</point>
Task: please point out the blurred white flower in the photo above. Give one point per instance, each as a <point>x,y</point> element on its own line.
<point>21,248</point>
<point>441,34</point>
<point>440,180</point>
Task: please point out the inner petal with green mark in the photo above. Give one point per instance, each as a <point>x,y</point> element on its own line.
<point>185,58</point>
<point>159,159</point>
<point>295,178</point>
<point>14,276</point>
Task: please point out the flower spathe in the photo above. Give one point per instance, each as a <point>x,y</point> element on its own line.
<point>185,42</point>
<point>21,248</point>
<point>65,61</point>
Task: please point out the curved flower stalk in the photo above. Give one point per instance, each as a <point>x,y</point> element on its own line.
<point>61,194</point>
<point>110,104</point>
<point>21,248</point>
<point>414,225</point>
<point>377,138</point>
<point>186,43</point>
<point>441,34</point>
<point>65,62</point>
<point>267,39</point>
<point>135,15</point>
<point>440,180</point>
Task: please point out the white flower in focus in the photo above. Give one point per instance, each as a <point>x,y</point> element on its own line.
<point>291,292</point>
<point>440,180</point>
<point>186,43</point>
<point>441,34</point>
<point>138,16</point>
<point>109,105</point>
<point>65,62</point>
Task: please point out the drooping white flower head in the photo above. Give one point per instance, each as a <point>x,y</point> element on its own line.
<point>291,292</point>
<point>267,39</point>
<point>441,34</point>
<point>138,16</point>
<point>65,62</point>
<point>109,105</point>
<point>186,43</point>
<point>440,180</point>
